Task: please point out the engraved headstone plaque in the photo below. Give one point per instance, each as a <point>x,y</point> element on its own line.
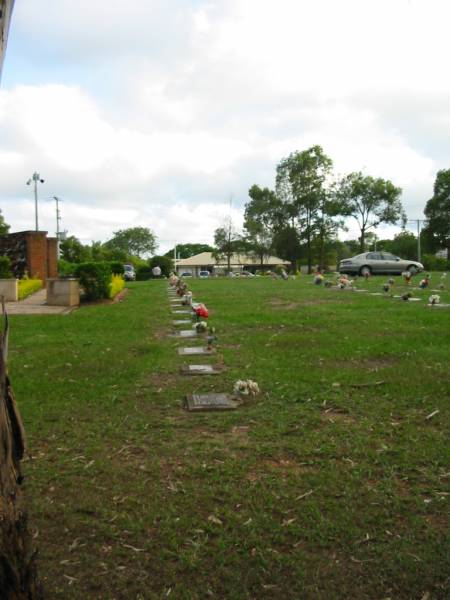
<point>181,311</point>
<point>186,333</point>
<point>199,370</point>
<point>202,402</point>
<point>195,350</point>
<point>181,322</point>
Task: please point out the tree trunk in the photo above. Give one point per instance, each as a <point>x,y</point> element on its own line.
<point>362,241</point>
<point>18,579</point>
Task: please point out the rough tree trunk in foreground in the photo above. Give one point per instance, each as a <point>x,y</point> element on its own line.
<point>18,579</point>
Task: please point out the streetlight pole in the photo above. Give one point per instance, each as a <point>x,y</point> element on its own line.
<point>418,222</point>
<point>58,215</point>
<point>35,178</point>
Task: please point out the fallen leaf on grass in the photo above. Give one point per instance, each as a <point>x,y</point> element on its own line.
<point>133,548</point>
<point>70,579</point>
<point>215,520</point>
<point>431,415</point>
<point>305,494</point>
<point>288,522</point>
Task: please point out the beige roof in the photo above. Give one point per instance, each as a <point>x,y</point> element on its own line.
<point>206,259</point>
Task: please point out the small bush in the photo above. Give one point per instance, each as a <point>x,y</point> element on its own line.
<point>5,267</point>
<point>435,263</point>
<point>143,273</point>
<point>117,284</point>
<point>28,287</point>
<point>116,267</point>
<point>95,279</point>
<point>66,268</point>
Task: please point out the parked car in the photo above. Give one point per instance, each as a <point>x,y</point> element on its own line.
<point>129,274</point>
<point>186,274</point>
<point>204,274</point>
<point>247,274</point>
<point>378,263</point>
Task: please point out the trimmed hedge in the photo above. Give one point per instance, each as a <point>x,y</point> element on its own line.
<point>5,267</point>
<point>28,287</point>
<point>95,279</point>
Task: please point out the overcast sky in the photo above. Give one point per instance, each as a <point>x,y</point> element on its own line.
<point>155,112</point>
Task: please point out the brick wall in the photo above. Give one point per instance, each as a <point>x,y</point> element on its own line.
<point>31,252</point>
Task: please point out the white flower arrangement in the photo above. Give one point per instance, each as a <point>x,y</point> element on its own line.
<point>201,327</point>
<point>434,299</point>
<point>246,387</point>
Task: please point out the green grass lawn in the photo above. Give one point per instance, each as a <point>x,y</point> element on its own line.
<point>320,487</point>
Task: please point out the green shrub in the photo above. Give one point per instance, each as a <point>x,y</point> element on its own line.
<point>5,267</point>
<point>95,279</point>
<point>143,273</point>
<point>66,268</point>
<point>116,267</point>
<point>435,263</point>
<point>28,287</point>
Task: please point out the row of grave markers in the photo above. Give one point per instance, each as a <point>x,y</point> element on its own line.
<point>344,284</point>
<point>180,310</point>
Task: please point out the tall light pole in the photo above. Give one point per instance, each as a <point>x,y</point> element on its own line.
<point>58,216</point>
<point>418,222</point>
<point>35,177</point>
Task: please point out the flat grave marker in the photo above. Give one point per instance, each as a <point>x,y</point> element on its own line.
<point>185,333</point>
<point>196,350</point>
<point>181,311</point>
<point>205,402</point>
<point>199,370</point>
<point>181,322</point>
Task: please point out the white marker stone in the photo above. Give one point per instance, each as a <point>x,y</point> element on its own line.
<point>200,402</point>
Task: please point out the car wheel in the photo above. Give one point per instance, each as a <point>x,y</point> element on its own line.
<point>365,271</point>
<point>412,269</point>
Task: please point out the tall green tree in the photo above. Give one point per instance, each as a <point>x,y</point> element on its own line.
<point>260,221</point>
<point>301,187</point>
<point>4,227</point>
<point>370,201</point>
<point>135,241</point>
<point>437,212</point>
<point>227,241</point>
<point>74,251</point>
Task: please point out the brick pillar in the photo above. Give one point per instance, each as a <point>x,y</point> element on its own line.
<point>52,257</point>
<point>37,254</point>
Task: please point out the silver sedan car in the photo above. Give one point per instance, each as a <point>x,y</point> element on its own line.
<point>377,263</point>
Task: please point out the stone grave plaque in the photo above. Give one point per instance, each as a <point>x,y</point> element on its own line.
<point>376,294</point>
<point>440,305</point>
<point>181,311</point>
<point>186,333</point>
<point>200,402</point>
<point>199,370</point>
<point>360,291</point>
<point>181,322</point>
<point>195,350</point>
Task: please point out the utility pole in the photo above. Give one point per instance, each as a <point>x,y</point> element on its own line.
<point>35,178</point>
<point>418,222</point>
<point>58,215</point>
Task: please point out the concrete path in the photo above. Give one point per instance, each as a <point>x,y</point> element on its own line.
<point>36,304</point>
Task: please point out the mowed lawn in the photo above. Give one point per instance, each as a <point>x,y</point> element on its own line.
<point>332,483</point>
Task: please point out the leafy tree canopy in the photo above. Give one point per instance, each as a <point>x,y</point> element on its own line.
<point>370,201</point>
<point>73,251</point>
<point>437,211</point>
<point>136,241</point>
<point>188,250</point>
<point>4,227</point>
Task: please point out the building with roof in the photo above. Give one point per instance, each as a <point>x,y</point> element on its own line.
<point>205,261</point>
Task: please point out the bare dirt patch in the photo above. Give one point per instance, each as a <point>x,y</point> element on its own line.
<point>280,304</point>
<point>334,415</point>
